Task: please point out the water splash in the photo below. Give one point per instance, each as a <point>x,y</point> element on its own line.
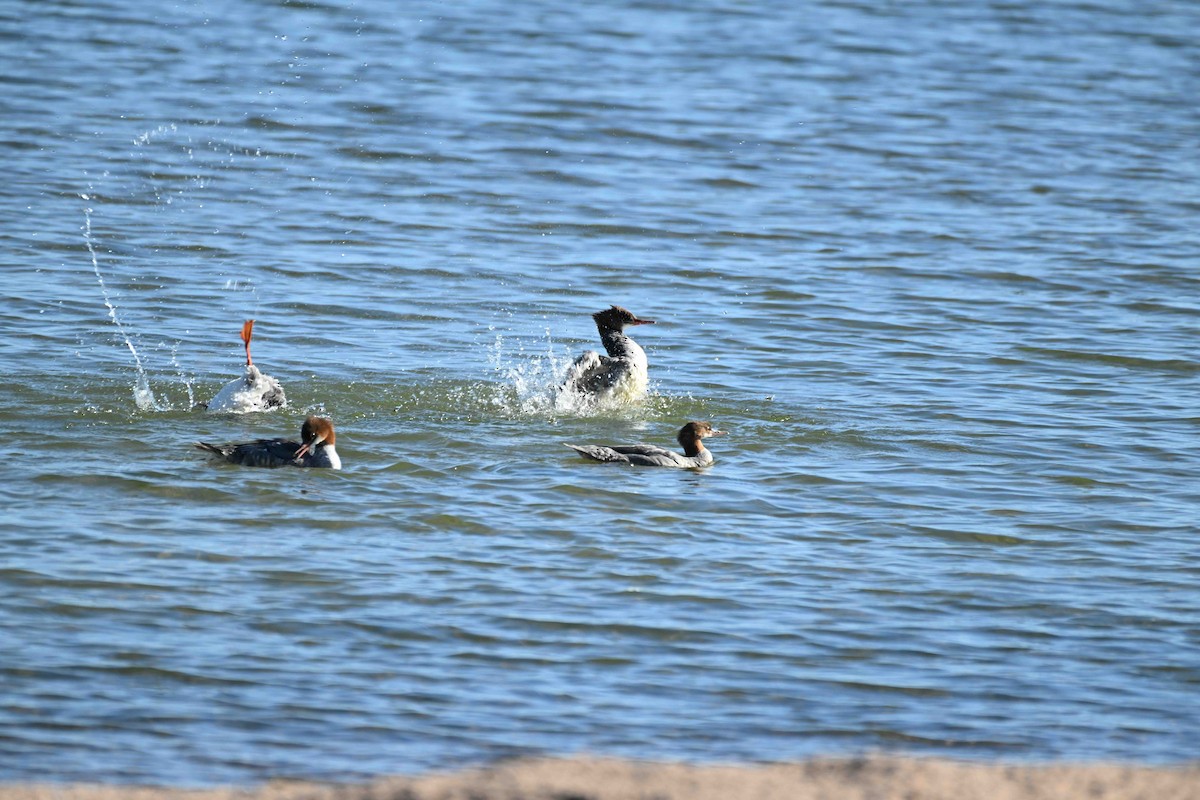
<point>143,395</point>
<point>148,136</point>
<point>187,380</point>
<point>526,385</point>
<point>532,384</point>
<point>200,158</point>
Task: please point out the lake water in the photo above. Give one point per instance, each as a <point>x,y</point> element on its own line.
<point>933,265</point>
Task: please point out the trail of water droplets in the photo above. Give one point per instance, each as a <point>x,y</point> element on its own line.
<point>165,136</point>
<point>143,395</point>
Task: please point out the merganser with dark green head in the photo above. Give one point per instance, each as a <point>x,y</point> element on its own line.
<point>623,373</point>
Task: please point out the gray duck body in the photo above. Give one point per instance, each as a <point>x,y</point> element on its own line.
<point>690,437</point>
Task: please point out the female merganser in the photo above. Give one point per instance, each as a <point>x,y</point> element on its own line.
<point>315,449</point>
<point>623,372</point>
<point>254,391</point>
<point>649,455</point>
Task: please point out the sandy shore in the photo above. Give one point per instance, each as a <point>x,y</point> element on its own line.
<point>875,778</point>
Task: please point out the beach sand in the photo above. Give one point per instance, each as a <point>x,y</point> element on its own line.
<point>871,778</point>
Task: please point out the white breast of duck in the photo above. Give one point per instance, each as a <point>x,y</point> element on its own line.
<point>623,373</point>
<point>325,456</point>
<point>632,368</point>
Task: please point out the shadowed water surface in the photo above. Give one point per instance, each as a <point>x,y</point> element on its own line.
<point>932,265</point>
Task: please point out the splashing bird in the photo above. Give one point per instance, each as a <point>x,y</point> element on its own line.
<point>254,391</point>
<point>623,373</point>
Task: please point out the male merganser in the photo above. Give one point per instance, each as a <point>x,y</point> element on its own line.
<point>254,391</point>
<point>623,372</point>
<point>315,449</point>
<point>648,455</point>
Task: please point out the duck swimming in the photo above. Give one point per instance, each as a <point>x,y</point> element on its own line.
<point>690,437</point>
<point>623,372</point>
<point>254,391</point>
<point>315,449</point>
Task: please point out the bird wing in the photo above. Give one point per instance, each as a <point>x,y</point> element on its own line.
<point>265,453</point>
<point>641,449</point>
<point>272,394</point>
<point>592,372</point>
<point>643,455</point>
<point>651,455</point>
<point>261,453</point>
<point>657,457</point>
<point>598,452</point>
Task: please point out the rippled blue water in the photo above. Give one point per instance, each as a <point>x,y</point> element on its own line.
<point>933,265</point>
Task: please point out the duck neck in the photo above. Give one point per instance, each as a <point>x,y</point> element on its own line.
<point>325,454</point>
<point>619,345</point>
<point>692,447</point>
